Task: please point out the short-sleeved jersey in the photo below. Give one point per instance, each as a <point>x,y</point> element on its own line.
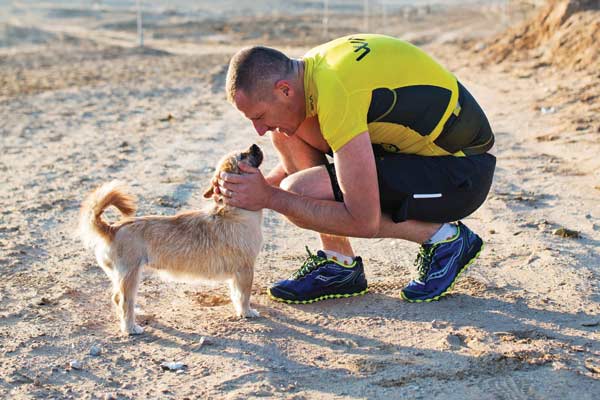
<point>387,86</point>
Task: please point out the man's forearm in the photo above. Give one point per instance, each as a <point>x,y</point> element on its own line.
<point>324,216</point>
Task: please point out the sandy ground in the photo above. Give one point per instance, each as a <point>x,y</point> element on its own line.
<point>79,106</point>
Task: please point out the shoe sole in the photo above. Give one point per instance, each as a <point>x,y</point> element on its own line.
<point>326,297</point>
<point>449,288</point>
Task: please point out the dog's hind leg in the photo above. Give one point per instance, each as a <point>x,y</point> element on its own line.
<point>107,265</point>
<point>241,289</point>
<point>124,291</point>
<point>104,261</point>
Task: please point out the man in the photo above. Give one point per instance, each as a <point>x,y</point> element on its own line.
<point>409,147</point>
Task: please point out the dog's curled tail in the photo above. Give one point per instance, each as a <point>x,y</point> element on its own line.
<point>92,227</point>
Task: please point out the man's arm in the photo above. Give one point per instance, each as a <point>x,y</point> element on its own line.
<point>358,216</point>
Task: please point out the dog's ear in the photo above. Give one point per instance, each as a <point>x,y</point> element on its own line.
<point>209,192</point>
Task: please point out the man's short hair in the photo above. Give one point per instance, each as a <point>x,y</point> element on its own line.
<point>253,70</point>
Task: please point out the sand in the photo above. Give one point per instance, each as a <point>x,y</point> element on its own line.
<point>80,105</point>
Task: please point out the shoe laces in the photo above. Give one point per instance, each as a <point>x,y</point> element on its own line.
<point>423,261</point>
<point>312,262</point>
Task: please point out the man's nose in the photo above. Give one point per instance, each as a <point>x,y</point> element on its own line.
<point>260,128</point>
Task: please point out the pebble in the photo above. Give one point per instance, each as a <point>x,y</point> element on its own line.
<point>75,364</point>
<point>454,340</point>
<point>435,324</point>
<point>592,365</point>
<point>172,366</point>
<point>590,323</point>
<point>345,342</point>
<point>200,344</point>
<point>566,233</point>
<point>479,47</point>
<point>168,118</point>
<point>42,301</point>
<point>95,350</point>
<point>547,110</point>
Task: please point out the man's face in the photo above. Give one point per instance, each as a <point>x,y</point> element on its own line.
<point>281,112</point>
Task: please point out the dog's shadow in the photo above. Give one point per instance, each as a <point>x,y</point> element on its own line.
<point>322,339</point>
<point>261,342</point>
<point>275,322</point>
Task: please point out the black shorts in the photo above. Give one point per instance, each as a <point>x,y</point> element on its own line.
<point>431,189</point>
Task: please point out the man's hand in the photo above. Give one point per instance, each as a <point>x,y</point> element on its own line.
<point>249,190</point>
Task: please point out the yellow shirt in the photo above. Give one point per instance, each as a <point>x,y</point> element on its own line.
<point>381,84</point>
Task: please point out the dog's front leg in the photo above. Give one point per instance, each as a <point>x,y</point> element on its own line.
<point>241,289</point>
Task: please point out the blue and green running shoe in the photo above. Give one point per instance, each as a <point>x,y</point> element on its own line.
<point>439,264</point>
<point>321,278</point>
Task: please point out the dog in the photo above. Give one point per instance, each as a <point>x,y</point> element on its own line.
<point>218,243</point>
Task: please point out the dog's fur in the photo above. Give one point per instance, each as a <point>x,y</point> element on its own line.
<point>219,243</point>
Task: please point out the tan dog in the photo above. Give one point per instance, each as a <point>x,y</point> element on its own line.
<point>219,243</point>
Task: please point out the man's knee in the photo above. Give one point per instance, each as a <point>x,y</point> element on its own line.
<point>285,148</point>
<point>313,182</point>
<point>295,154</point>
<point>291,183</point>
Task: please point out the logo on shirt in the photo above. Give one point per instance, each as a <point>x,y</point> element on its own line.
<point>360,46</point>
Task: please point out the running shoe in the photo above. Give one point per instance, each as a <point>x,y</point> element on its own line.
<point>440,264</point>
<point>321,278</point>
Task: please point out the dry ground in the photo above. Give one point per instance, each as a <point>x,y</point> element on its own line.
<point>79,108</point>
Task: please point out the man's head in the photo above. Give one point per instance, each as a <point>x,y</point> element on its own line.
<point>267,87</point>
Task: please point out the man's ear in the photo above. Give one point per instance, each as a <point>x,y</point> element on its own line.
<point>284,86</point>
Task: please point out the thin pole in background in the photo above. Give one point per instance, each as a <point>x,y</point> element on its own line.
<point>366,15</point>
<point>325,18</point>
<point>507,12</point>
<point>383,17</point>
<point>140,29</point>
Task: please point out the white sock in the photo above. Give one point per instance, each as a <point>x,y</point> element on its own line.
<point>446,231</point>
<point>334,255</point>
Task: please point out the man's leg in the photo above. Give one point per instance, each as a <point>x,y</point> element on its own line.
<point>320,276</point>
<point>446,249</point>
<point>315,182</point>
<point>299,153</point>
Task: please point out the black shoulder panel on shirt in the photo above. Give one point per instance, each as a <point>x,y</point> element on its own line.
<point>418,107</point>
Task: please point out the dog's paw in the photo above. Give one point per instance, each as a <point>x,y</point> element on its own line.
<point>133,330</point>
<point>137,330</point>
<point>250,313</point>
